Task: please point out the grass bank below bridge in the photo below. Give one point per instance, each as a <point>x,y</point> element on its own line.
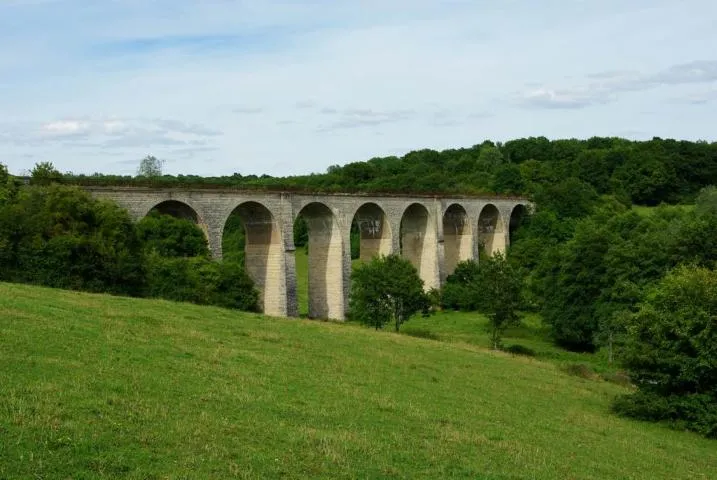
<point>93,386</point>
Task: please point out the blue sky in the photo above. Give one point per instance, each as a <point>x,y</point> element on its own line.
<point>284,87</point>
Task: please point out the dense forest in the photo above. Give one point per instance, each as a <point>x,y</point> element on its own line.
<point>617,254</point>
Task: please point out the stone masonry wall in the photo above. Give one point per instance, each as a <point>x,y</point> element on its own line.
<point>430,237</point>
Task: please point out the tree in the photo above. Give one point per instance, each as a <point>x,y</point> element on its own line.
<point>172,237</point>
<point>386,289</point>
<point>61,237</point>
<point>6,184</point>
<point>670,352</point>
<point>459,292</point>
<point>492,286</point>
<point>507,179</point>
<point>489,158</point>
<point>150,167</point>
<point>44,173</point>
<point>498,286</point>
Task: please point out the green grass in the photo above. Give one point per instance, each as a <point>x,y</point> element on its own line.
<point>302,280</point>
<point>644,211</point>
<point>94,386</point>
<point>471,328</point>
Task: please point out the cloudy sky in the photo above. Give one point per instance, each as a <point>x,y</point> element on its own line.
<point>288,87</point>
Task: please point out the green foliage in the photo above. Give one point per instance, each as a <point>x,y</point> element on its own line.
<point>172,237</point>
<point>301,232</point>
<point>459,292</point>
<point>355,241</point>
<point>234,240</point>
<point>45,173</point>
<point>61,237</point>
<point>6,185</point>
<point>492,287</point>
<point>386,289</point>
<point>671,351</point>
<point>644,172</point>
<point>150,167</point>
<point>647,176</point>
<point>569,198</point>
<point>585,285</point>
<point>202,281</point>
<point>507,179</point>
<point>499,285</point>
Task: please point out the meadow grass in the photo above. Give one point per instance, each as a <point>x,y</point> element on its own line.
<point>95,386</point>
<point>645,211</point>
<point>472,328</point>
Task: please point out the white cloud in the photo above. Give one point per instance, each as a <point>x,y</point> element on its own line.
<point>65,127</point>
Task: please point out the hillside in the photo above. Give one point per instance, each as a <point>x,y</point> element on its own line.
<point>94,386</point>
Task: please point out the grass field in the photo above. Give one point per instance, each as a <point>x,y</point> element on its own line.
<point>94,386</point>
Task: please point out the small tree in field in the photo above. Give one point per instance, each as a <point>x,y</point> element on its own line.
<point>150,166</point>
<point>386,289</point>
<point>497,287</point>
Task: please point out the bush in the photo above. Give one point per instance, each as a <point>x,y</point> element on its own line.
<point>692,412</point>
<point>61,237</point>
<point>172,237</point>
<point>520,350</point>
<point>386,289</point>
<point>670,352</point>
<point>201,281</point>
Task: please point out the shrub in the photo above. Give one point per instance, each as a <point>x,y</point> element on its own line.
<point>386,289</point>
<point>172,237</point>
<point>61,237</point>
<point>202,281</point>
<point>520,350</point>
<point>693,412</point>
<point>579,370</point>
<point>670,352</point>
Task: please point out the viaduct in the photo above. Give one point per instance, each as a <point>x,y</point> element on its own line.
<point>433,232</point>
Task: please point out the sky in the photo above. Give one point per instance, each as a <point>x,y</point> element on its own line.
<point>215,87</point>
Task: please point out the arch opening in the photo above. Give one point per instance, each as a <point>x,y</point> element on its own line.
<point>419,244</point>
<point>370,233</point>
<point>252,237</point>
<point>176,209</point>
<point>516,219</point>
<point>325,283</point>
<point>177,239</point>
<point>491,231</point>
<point>457,237</point>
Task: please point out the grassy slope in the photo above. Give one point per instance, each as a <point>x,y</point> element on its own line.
<point>96,386</point>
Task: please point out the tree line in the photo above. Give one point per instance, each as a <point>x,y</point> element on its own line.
<point>641,172</point>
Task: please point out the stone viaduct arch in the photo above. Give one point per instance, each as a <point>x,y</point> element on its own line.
<point>434,233</point>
